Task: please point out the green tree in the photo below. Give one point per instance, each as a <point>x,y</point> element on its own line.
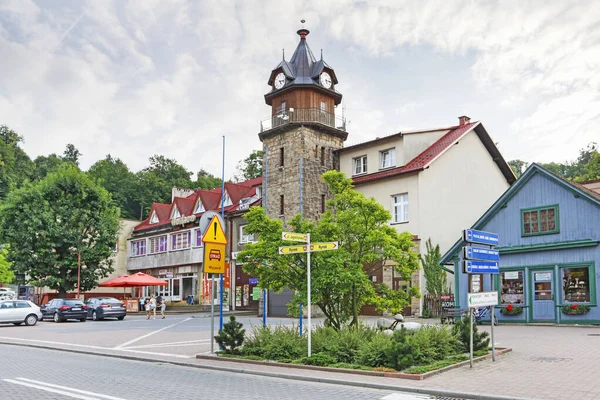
<point>6,273</point>
<point>112,174</point>
<point>49,222</point>
<point>45,165</point>
<point>250,167</point>
<point>518,167</point>
<point>340,279</point>
<point>71,154</point>
<point>15,165</point>
<point>207,181</point>
<point>231,337</point>
<point>435,277</point>
<point>591,170</point>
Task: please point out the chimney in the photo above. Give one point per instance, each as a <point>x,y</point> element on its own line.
<point>463,120</point>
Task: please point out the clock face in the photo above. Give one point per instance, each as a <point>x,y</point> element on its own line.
<point>279,80</point>
<point>325,80</point>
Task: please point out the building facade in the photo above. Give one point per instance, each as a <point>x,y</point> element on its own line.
<point>549,243</point>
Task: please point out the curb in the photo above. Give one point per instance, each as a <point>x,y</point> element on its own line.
<point>426,391</point>
<point>398,375</point>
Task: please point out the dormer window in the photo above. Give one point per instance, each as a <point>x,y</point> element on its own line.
<point>387,158</point>
<point>226,200</point>
<point>176,213</point>
<point>199,207</point>
<point>154,218</point>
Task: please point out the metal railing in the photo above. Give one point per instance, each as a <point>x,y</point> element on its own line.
<point>303,115</point>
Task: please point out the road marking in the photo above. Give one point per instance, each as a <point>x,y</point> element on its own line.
<point>155,353</point>
<point>61,343</point>
<point>119,347</point>
<point>406,396</point>
<point>66,391</point>
<point>172,344</point>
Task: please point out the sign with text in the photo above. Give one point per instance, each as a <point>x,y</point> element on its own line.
<point>481,267</point>
<point>482,299</point>
<point>295,237</point>
<point>475,253</point>
<point>481,237</point>
<point>214,258</point>
<point>323,246</point>
<point>292,249</point>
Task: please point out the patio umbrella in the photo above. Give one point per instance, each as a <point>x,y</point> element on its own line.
<point>141,279</point>
<point>111,282</point>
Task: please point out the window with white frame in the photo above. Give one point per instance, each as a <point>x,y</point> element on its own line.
<point>246,237</point>
<point>198,237</point>
<point>227,200</point>
<point>387,158</point>
<point>199,207</point>
<point>157,244</point>
<point>154,218</point>
<point>400,208</point>
<point>176,213</point>
<point>138,248</point>
<point>360,165</point>
<point>180,240</point>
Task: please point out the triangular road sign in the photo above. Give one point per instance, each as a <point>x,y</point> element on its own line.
<point>214,232</point>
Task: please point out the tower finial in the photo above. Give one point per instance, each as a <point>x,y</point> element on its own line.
<point>321,54</point>
<point>303,32</point>
<point>283,51</point>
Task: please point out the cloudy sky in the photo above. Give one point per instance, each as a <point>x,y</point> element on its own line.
<point>137,78</point>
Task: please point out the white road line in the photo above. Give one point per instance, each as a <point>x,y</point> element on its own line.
<point>172,344</point>
<point>119,347</point>
<point>156,354</point>
<point>154,346</point>
<point>61,343</point>
<point>96,395</point>
<point>405,396</point>
<point>69,392</point>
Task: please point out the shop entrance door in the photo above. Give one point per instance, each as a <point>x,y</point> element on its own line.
<point>543,296</point>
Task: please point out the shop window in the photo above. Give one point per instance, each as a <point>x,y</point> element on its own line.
<point>539,221</point>
<point>138,248</point>
<point>511,283</point>
<point>576,284</point>
<point>475,283</point>
<point>180,240</point>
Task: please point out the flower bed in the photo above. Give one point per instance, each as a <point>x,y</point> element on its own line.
<point>575,309</point>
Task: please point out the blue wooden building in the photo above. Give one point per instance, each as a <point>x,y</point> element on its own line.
<point>549,235</point>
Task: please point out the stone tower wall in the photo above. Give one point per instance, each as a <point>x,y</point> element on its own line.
<point>300,142</point>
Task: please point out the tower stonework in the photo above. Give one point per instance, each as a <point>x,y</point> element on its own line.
<point>300,136</point>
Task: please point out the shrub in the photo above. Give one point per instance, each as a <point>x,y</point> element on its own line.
<point>255,343</point>
<point>231,336</point>
<point>427,313</point>
<point>434,343</point>
<point>319,359</point>
<point>462,329</point>
<point>343,345</point>
<point>401,354</point>
<point>373,353</point>
<point>285,343</point>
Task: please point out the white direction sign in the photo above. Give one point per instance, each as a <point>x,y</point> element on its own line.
<point>482,299</point>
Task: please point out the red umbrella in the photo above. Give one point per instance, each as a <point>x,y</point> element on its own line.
<point>113,281</point>
<point>140,279</point>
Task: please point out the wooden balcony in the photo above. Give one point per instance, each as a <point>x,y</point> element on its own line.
<point>303,116</point>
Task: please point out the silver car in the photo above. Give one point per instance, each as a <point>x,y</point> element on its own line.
<point>18,312</point>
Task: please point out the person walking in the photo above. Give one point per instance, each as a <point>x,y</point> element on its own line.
<point>153,306</point>
<point>147,308</point>
<point>161,304</point>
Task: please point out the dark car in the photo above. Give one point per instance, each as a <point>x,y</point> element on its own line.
<point>63,309</point>
<point>99,308</point>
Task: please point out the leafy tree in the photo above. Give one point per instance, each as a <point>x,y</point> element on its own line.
<point>112,174</point>
<point>340,279</point>
<point>45,165</point>
<point>15,164</point>
<point>435,277</point>
<point>231,336</point>
<point>591,170</point>
<point>586,156</point>
<point>207,181</point>
<point>6,273</point>
<point>250,167</point>
<point>562,169</point>
<point>48,222</point>
<point>71,154</point>
<point>518,167</point>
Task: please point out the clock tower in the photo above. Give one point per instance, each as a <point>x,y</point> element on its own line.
<point>301,134</point>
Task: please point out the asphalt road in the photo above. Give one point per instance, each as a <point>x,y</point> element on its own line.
<point>29,373</point>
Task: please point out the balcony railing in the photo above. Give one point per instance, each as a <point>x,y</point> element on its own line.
<point>303,115</point>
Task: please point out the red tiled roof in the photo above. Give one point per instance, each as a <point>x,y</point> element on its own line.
<point>236,191</point>
<point>184,205</point>
<point>423,159</point>
<point>252,182</point>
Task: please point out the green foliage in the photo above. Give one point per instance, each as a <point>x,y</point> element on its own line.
<point>435,277</point>
<point>434,343</point>
<point>6,273</point>
<point>393,301</point>
<point>421,369</point>
<point>518,167</point>
<point>585,167</point>
<point>275,343</point>
<point>206,181</point>
<point>250,167</point>
<point>402,354</point>
<point>49,222</point>
<point>462,328</point>
<point>575,309</point>
<point>15,165</point>
<point>512,310</point>
<point>231,336</point>
<point>318,359</point>
<point>71,154</point>
<point>340,279</point>
<point>114,176</point>
<point>427,313</point>
<point>374,352</point>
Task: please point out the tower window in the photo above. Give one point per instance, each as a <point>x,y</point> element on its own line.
<point>283,107</point>
<point>281,205</point>
<point>322,203</point>
<point>323,106</point>
<point>281,156</point>
<point>323,156</point>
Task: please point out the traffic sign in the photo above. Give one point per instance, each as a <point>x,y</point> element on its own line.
<point>475,253</point>
<point>214,258</point>
<point>481,267</point>
<point>214,232</point>
<point>292,249</point>
<point>482,299</point>
<point>323,246</point>
<point>293,236</point>
<point>481,237</point>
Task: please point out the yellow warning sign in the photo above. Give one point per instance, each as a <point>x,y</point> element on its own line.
<point>214,232</point>
<point>214,258</point>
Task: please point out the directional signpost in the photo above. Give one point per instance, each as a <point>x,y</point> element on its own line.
<point>307,248</point>
<point>481,260</point>
<point>215,242</point>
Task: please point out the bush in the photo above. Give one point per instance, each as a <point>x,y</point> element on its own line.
<point>284,343</point>
<point>427,313</point>
<point>343,345</point>
<point>434,343</point>
<point>319,359</point>
<point>231,336</point>
<point>373,353</point>
<point>255,343</point>
<point>401,354</point>
<point>462,328</point>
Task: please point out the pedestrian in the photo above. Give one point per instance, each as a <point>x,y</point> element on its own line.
<point>161,303</point>
<point>147,308</point>
<point>153,306</point>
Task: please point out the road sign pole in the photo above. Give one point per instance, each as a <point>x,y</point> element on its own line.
<point>471,339</point>
<point>301,319</point>
<point>212,315</point>
<point>493,318</point>
<point>309,299</point>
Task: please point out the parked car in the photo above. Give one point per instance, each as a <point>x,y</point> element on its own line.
<point>63,309</point>
<point>99,308</point>
<point>7,293</point>
<point>18,312</point>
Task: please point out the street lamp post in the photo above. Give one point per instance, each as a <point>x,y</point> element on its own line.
<point>78,274</point>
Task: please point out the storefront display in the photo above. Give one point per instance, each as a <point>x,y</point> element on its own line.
<point>511,283</point>
<point>576,287</point>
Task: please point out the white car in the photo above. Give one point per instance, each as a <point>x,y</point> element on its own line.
<point>18,312</point>
<point>7,293</point>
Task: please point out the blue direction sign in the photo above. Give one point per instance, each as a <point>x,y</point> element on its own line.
<point>475,253</point>
<point>481,267</point>
<point>481,237</point>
